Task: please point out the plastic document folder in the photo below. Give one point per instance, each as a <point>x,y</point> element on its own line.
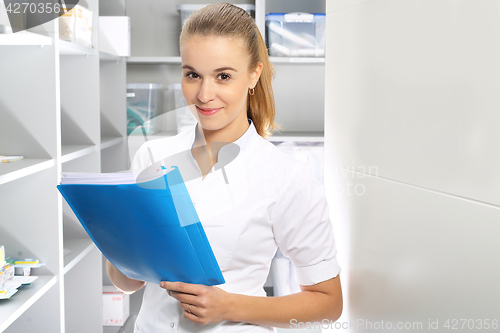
<point>148,229</point>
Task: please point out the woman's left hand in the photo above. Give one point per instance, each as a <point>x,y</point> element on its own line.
<point>202,304</point>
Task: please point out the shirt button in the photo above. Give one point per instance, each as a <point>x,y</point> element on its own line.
<point>171,324</point>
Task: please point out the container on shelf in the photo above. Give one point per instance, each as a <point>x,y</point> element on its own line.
<point>296,34</point>
<point>115,306</point>
<point>184,117</point>
<point>76,26</point>
<point>144,103</point>
<point>188,9</point>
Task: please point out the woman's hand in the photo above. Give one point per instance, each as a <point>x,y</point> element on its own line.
<point>202,304</point>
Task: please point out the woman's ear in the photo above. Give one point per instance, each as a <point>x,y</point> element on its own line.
<point>256,74</point>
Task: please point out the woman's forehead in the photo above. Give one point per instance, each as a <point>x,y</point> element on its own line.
<point>214,51</point>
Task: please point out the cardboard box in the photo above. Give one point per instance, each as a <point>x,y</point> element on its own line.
<point>76,26</point>
<point>114,35</point>
<point>115,306</point>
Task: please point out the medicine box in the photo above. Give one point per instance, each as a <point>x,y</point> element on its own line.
<point>144,104</point>
<point>188,9</point>
<point>296,34</point>
<point>115,306</point>
<point>76,26</point>
<point>114,35</point>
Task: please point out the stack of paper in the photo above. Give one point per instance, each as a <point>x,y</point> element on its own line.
<point>146,227</point>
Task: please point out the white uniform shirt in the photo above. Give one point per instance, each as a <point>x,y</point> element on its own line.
<point>270,200</point>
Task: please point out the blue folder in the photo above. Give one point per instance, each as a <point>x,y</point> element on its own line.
<point>149,231</point>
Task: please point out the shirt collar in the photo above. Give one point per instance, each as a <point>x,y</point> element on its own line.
<point>243,142</point>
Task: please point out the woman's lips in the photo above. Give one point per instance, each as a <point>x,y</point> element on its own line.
<point>207,111</point>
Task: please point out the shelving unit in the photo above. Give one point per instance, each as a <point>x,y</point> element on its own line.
<point>64,111</point>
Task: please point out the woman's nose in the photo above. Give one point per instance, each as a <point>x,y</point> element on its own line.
<point>206,92</point>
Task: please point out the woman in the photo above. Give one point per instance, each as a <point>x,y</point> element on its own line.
<point>259,200</point>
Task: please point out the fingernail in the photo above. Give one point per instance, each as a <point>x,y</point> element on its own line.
<point>162,284</point>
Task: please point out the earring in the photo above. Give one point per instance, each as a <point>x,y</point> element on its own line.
<point>251,91</point>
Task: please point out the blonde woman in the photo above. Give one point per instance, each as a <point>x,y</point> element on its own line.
<point>227,80</point>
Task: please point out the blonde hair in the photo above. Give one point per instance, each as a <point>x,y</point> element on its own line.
<point>227,20</point>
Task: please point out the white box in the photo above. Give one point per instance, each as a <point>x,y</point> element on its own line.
<point>114,35</point>
<point>115,306</point>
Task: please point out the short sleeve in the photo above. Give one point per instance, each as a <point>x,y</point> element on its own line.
<point>303,229</point>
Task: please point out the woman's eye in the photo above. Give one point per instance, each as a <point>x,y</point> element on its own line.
<point>192,75</point>
<point>224,77</point>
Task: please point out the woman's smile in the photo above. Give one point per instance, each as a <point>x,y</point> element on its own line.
<point>207,111</point>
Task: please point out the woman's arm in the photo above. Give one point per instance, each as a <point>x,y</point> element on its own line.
<point>212,305</point>
<point>313,304</point>
<point>121,281</point>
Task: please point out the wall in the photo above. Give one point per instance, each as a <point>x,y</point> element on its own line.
<point>412,160</point>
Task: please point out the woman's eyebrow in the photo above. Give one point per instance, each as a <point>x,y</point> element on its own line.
<point>227,68</point>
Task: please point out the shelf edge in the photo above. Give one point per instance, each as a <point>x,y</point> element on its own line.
<point>29,302</point>
<point>26,171</point>
<point>79,153</point>
<point>78,258</point>
<point>110,142</point>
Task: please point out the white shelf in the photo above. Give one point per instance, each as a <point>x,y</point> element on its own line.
<point>70,152</point>
<point>79,248</point>
<point>23,168</point>
<point>296,60</point>
<point>68,48</point>
<point>109,141</point>
<point>24,38</point>
<point>13,308</point>
<point>104,56</point>
<point>298,137</point>
<point>154,60</point>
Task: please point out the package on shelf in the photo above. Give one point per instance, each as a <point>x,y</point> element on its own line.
<point>144,104</point>
<point>115,306</point>
<point>114,35</point>
<point>6,273</point>
<point>10,159</point>
<point>187,9</point>
<point>296,34</point>
<point>76,26</point>
<point>184,118</point>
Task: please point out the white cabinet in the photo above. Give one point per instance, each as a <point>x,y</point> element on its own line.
<point>62,106</point>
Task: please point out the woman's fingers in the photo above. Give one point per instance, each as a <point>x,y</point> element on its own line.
<point>185,298</point>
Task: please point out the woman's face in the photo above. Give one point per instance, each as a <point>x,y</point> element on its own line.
<point>216,80</point>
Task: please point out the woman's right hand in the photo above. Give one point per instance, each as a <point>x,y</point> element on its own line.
<point>122,282</point>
